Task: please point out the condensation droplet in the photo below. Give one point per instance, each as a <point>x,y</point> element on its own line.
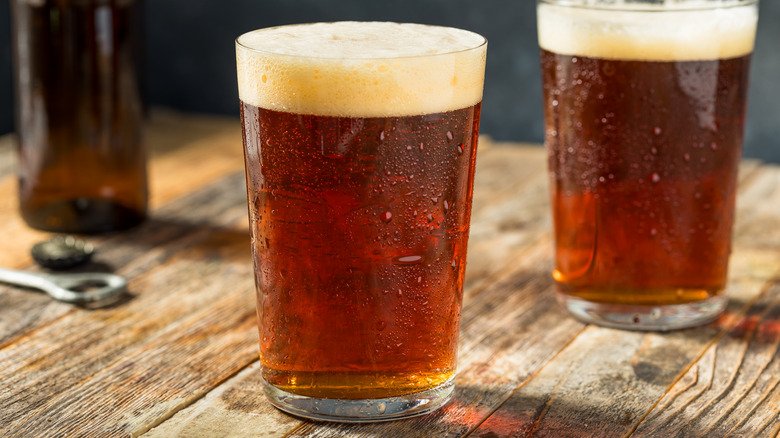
<point>655,177</point>
<point>657,130</point>
<point>408,260</point>
<point>449,135</point>
<point>386,216</point>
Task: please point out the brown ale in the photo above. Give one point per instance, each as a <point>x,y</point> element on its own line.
<point>360,246</point>
<point>643,158</point>
<point>360,163</point>
<point>82,166</point>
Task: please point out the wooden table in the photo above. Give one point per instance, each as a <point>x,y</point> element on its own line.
<point>178,357</point>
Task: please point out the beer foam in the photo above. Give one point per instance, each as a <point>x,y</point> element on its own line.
<point>647,34</point>
<point>361,69</point>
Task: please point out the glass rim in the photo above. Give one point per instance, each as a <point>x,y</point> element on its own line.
<point>651,7</point>
<point>483,43</point>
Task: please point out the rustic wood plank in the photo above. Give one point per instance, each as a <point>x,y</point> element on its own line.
<point>518,211</point>
<point>507,313</point>
<point>606,381</point>
<point>733,389</point>
<point>135,251</point>
<point>122,370</point>
<point>236,410</point>
<point>151,363</point>
<point>188,152</point>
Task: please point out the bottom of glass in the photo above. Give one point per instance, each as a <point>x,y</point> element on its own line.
<point>361,411</point>
<point>645,317</point>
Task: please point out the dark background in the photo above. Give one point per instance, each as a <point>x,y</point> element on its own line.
<point>191,58</point>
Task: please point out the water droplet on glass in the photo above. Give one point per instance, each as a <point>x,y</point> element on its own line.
<point>687,157</point>
<point>408,260</point>
<point>381,407</point>
<point>460,148</point>
<point>386,216</point>
<point>655,177</point>
<point>449,135</point>
<point>382,135</point>
<point>446,205</point>
<point>657,130</point>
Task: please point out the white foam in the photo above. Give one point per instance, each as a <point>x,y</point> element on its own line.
<point>361,69</point>
<point>646,34</point>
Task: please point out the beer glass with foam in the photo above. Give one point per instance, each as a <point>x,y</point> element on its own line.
<point>644,110</point>
<point>360,142</point>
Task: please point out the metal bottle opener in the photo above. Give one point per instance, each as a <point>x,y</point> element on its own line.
<point>82,288</point>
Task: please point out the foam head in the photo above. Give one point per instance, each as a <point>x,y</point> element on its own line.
<point>361,69</point>
<point>671,32</point>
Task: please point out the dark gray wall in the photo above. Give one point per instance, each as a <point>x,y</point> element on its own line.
<point>191,64</point>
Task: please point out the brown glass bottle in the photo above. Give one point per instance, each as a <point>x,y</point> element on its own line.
<point>79,113</point>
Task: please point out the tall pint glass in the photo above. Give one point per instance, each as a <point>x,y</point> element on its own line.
<point>644,112</point>
<point>360,141</point>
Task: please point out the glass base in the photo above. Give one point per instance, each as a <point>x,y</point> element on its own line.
<point>361,411</point>
<point>639,317</point>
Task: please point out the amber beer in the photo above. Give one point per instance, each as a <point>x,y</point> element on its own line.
<point>82,164</point>
<point>360,162</point>
<point>645,112</point>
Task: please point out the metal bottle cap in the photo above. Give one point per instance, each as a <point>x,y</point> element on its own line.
<point>62,252</point>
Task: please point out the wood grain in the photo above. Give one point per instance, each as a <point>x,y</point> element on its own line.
<point>624,374</point>
<point>177,358</point>
<point>188,325</point>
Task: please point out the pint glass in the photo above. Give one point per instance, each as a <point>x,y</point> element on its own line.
<point>360,143</point>
<point>644,112</point>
